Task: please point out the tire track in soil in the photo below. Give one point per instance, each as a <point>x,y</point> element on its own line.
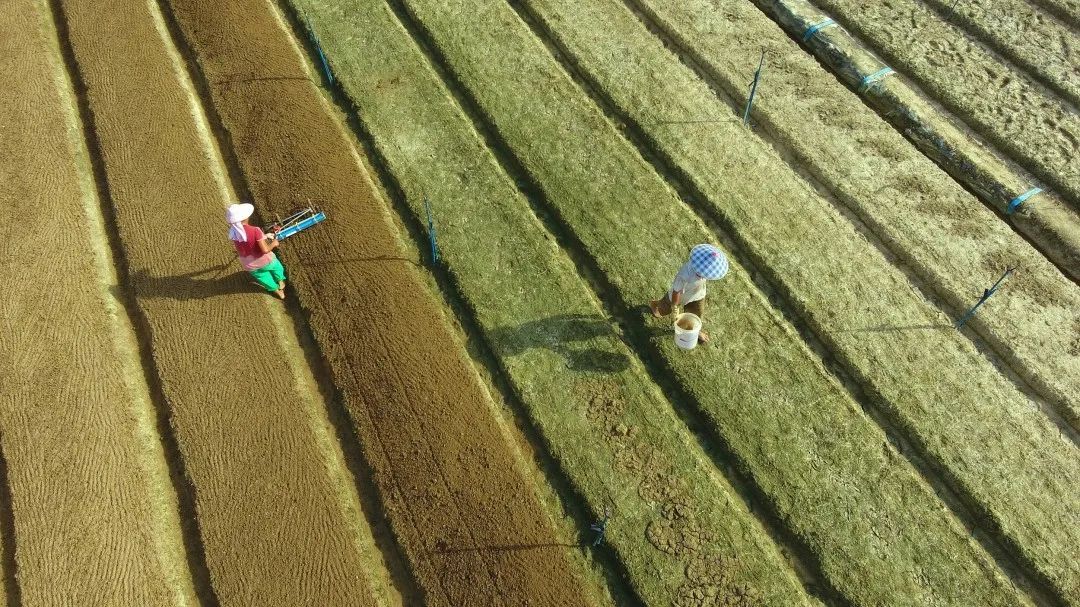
<point>437,463</point>
<point>96,510</point>
<point>289,541</point>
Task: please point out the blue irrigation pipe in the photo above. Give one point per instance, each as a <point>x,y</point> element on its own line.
<point>753,89</point>
<point>986,295</point>
<point>431,232</point>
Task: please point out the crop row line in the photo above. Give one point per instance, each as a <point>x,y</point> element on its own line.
<point>992,347</point>
<point>858,387</point>
<point>1049,226</point>
<point>7,533</point>
<point>1017,146</point>
<point>1010,57</point>
<point>453,298</point>
<point>801,557</point>
<point>359,469</point>
<point>183,486</point>
<point>1058,11</point>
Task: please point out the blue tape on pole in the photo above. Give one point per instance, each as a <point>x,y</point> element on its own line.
<point>873,78</point>
<point>1015,203</point>
<point>813,29</point>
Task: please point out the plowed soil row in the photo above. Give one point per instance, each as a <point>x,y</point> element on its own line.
<point>249,421</point>
<point>680,531</point>
<point>95,513</point>
<point>469,523</point>
<point>1036,128</point>
<point>1048,221</point>
<point>1068,11</point>
<point>924,217</point>
<point>1046,48</point>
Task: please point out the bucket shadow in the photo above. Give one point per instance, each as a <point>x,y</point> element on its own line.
<point>563,335</point>
<point>208,283</point>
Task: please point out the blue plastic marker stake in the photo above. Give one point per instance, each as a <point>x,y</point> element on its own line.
<point>753,89</point>
<point>1015,203</point>
<point>872,79</point>
<point>986,295</point>
<point>817,27</point>
<point>600,528</point>
<point>322,57</point>
<point>431,232</point>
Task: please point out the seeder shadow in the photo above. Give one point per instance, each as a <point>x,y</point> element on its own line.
<point>200,284</point>
<point>561,334</point>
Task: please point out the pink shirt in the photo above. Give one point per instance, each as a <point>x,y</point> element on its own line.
<point>251,256</point>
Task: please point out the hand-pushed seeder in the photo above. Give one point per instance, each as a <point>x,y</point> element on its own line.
<point>296,222</point>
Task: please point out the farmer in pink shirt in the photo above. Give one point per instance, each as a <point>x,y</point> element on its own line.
<point>255,249</point>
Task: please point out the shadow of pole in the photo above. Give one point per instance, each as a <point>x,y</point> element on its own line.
<point>897,329</point>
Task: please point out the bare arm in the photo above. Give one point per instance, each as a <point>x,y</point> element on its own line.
<point>268,244</point>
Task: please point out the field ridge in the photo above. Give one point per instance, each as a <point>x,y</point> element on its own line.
<point>391,580</point>
<point>570,498</point>
<point>182,484</point>
<point>1011,364</point>
<point>623,120</point>
<point>1035,149</point>
<point>450,480</point>
<point>801,559</point>
<point>962,506</point>
<point>1014,54</point>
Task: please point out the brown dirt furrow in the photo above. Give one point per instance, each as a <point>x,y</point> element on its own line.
<point>249,421</point>
<point>95,515</point>
<point>463,512</point>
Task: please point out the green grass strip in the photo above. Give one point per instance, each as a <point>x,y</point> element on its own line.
<point>677,527</point>
<point>992,442</point>
<point>1038,129</point>
<point>983,435</point>
<point>943,232</point>
<point>825,467</point>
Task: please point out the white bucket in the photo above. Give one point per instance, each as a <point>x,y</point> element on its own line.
<point>687,328</point>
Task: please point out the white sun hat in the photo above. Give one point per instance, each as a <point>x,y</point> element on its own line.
<point>234,215</point>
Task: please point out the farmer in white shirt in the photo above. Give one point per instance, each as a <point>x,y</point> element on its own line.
<point>688,289</point>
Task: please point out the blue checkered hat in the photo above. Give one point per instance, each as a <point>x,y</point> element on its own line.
<point>708,261</point>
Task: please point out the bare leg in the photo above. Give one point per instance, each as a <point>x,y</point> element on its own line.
<point>660,307</point>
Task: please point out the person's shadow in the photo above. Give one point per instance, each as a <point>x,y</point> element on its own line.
<point>564,334</point>
<point>224,279</point>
